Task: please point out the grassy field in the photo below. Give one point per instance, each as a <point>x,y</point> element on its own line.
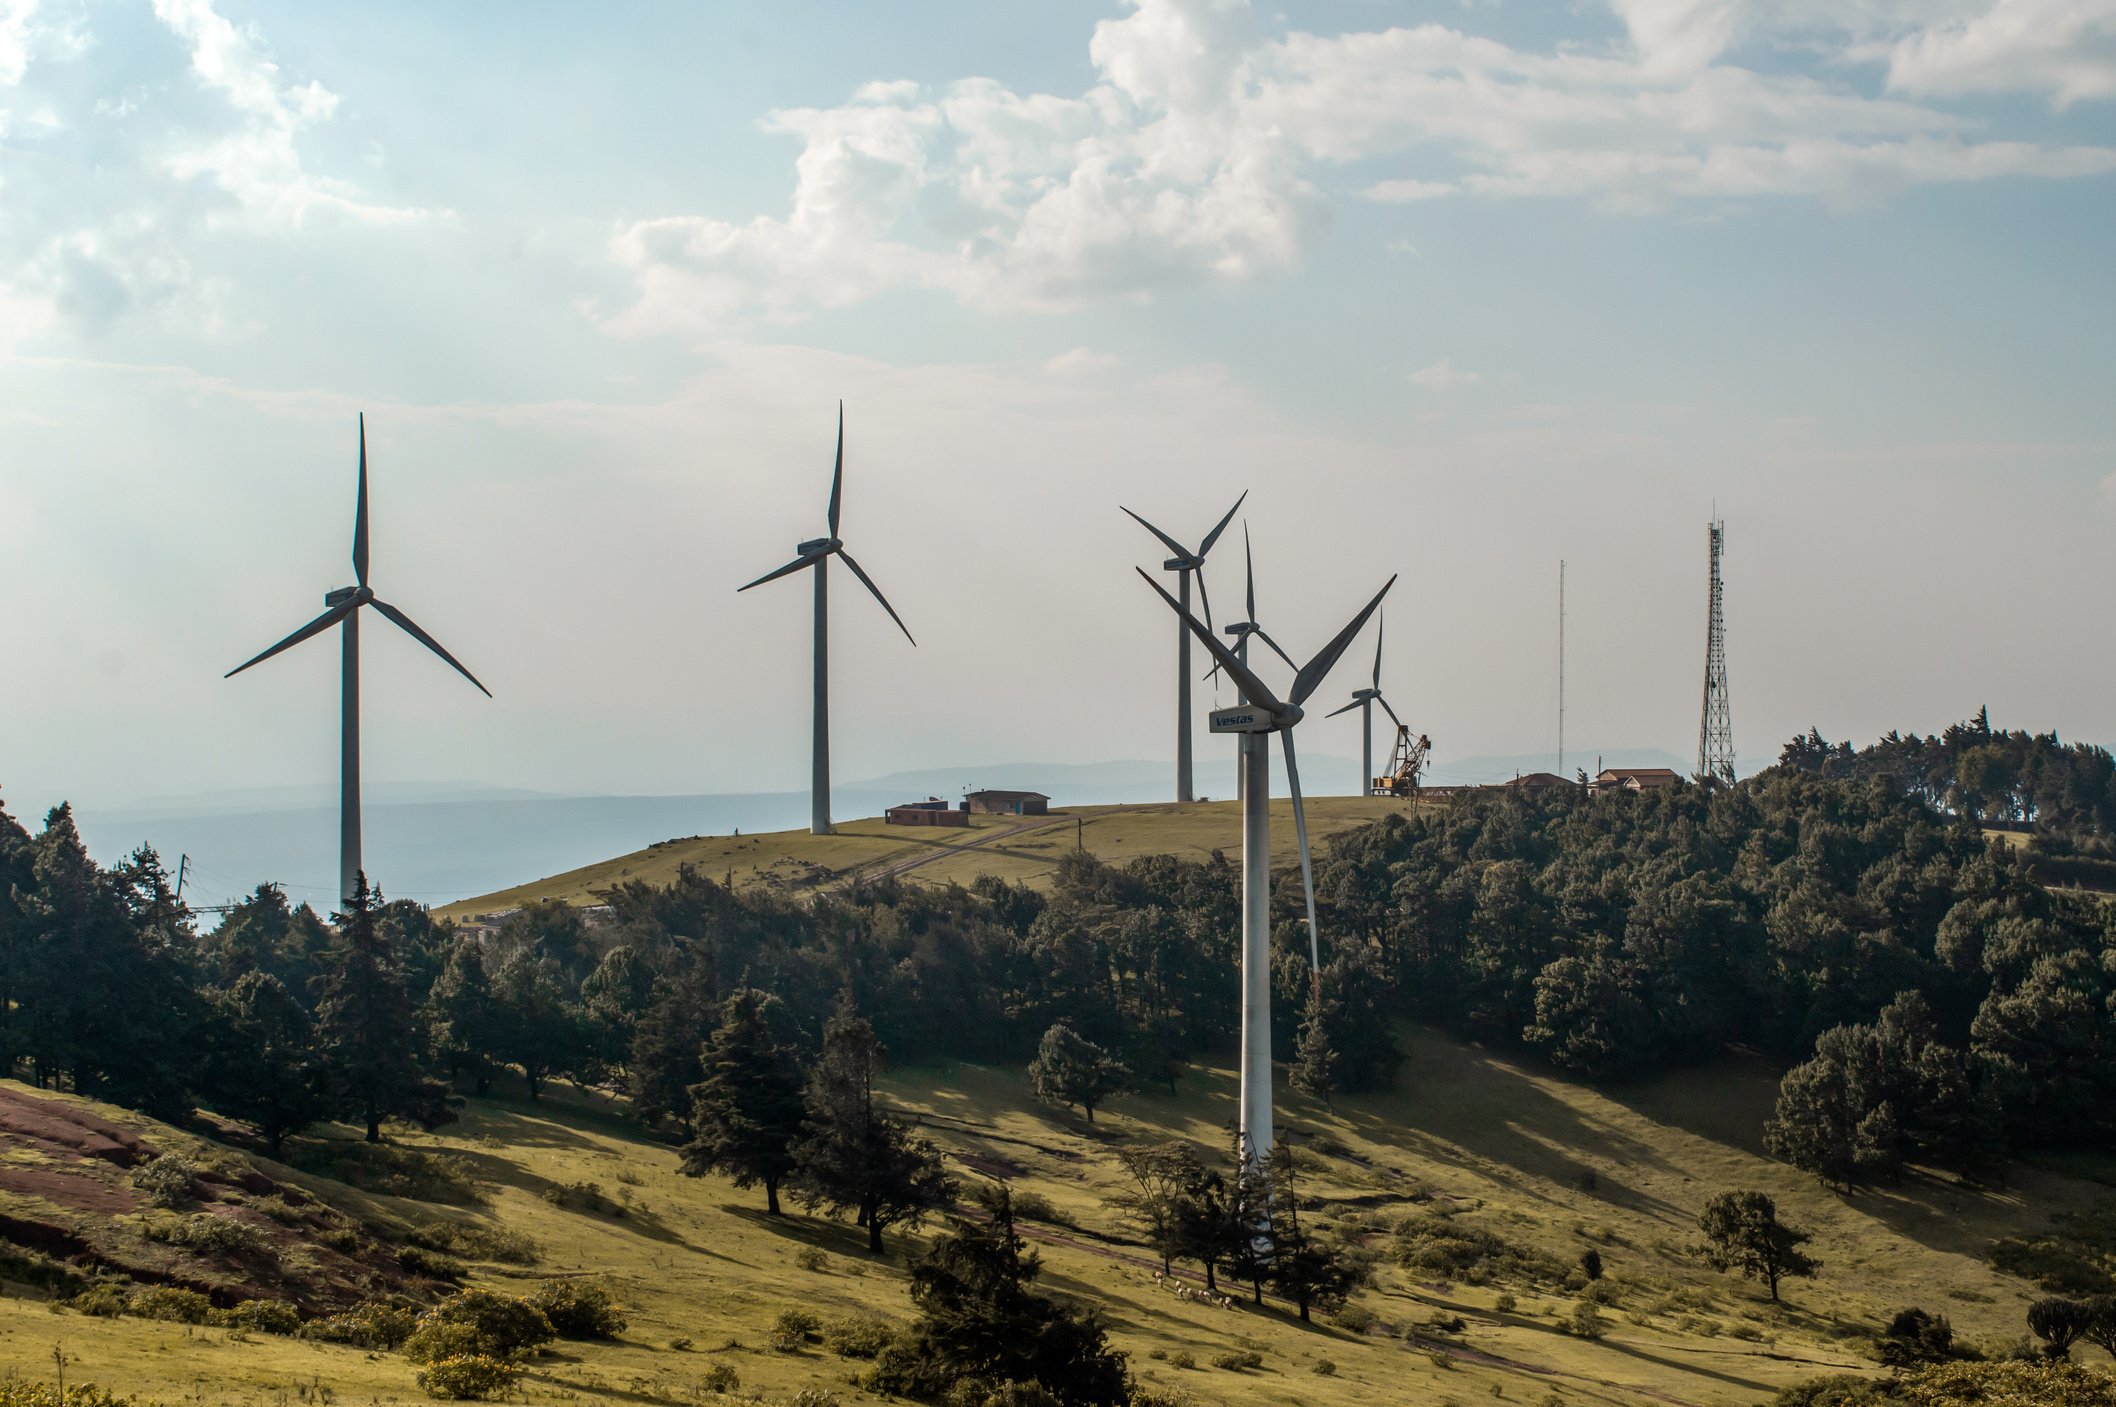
<point>1547,1165</point>
<point>1011,847</point>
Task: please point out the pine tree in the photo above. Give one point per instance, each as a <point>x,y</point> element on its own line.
<point>666,1049</point>
<point>747,1112</point>
<point>1315,1058</point>
<point>462,1018</point>
<point>1165,1180</point>
<point>1310,1272</point>
<point>983,1334</point>
<point>1742,1232</point>
<point>366,1027</point>
<point>1071,1069</point>
<point>535,1025</point>
<point>853,1156</point>
<point>261,1065</point>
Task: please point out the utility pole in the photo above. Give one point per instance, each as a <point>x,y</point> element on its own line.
<point>1715,734</point>
<point>183,862</point>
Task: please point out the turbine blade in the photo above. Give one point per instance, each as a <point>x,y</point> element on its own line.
<point>1249,570</point>
<point>1176,547</point>
<point>1316,670</point>
<point>1381,623</point>
<point>360,513</point>
<point>837,475</point>
<point>1346,709</point>
<point>1307,866</point>
<point>411,628</point>
<point>1253,688</point>
<point>315,627</point>
<point>1261,635</point>
<point>805,560</point>
<point>1214,535</point>
<point>1389,711</point>
<point>868,582</point>
<point>1204,596</point>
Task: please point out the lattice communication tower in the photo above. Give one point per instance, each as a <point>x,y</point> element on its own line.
<point>1715,736</point>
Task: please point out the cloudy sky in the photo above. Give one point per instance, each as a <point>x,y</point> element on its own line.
<point>1454,290</point>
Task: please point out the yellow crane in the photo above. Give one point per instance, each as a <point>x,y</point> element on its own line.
<point>1405,764</point>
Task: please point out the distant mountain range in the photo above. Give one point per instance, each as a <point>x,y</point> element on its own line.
<point>438,841</point>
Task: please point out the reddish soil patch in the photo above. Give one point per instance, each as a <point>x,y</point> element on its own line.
<point>62,1129</point>
<point>72,1190</point>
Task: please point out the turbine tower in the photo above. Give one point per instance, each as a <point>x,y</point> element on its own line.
<point>1262,715</point>
<point>1187,564</point>
<point>1364,700</point>
<point>816,553</point>
<point>342,609</point>
<point>1715,736</point>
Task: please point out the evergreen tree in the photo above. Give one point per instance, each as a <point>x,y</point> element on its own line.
<point>666,1048</point>
<point>982,1330</point>
<point>1165,1180</point>
<point>462,1016</point>
<point>17,946</point>
<point>1743,1233</point>
<point>747,1113</point>
<point>1314,1057</point>
<point>261,1065</point>
<point>365,1024</point>
<point>1308,1271</point>
<point>535,1025</point>
<point>855,1157</point>
<point>1070,1069</point>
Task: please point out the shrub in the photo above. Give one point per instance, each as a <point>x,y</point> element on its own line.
<point>813,1397</point>
<point>812,1259</point>
<point>1591,1263</point>
<point>1182,1358</point>
<point>578,1309</point>
<point>1034,1206</point>
<point>18,1392</point>
<point>1505,1303</point>
<point>857,1338</point>
<point>374,1325</point>
<point>583,1197</point>
<point>1160,1397</point>
<point>1356,1318</point>
<point>1914,1337</point>
<point>170,1180</point>
<point>721,1377</point>
<point>264,1316</point>
<point>477,1322</point>
<point>167,1302</point>
<point>431,1264</point>
<point>1239,1360</point>
<point>208,1234</point>
<point>1586,1321</point>
<point>101,1301</point>
<point>1436,1244</point>
<point>793,1328</point>
<point>27,1267</point>
<point>1324,1368</point>
<point>468,1376</point>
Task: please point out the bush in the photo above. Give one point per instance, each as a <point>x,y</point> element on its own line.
<point>813,1397</point>
<point>208,1234</point>
<point>374,1325</point>
<point>1239,1360</point>
<point>264,1316</point>
<point>812,1259</point>
<point>578,1309</point>
<point>167,1302</point>
<point>721,1377</point>
<point>1182,1358</point>
<point>858,1338</point>
<point>170,1180</point>
<point>1324,1368</point>
<point>469,1376</point>
<point>101,1301</point>
<point>18,1392</point>
<point>1354,1318</point>
<point>793,1328</point>
<point>27,1267</point>
<point>477,1323</point>
<point>1591,1263</point>
<point>431,1264</point>
<point>474,1242</point>
<point>1586,1321</point>
<point>385,1168</point>
<point>1505,1303</point>
<point>1915,1337</point>
<point>1436,1244</point>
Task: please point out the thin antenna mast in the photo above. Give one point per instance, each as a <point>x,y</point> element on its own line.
<point>1715,734</point>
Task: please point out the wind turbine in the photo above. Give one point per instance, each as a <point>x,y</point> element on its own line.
<point>1263,714</point>
<point>342,608</point>
<point>1364,700</point>
<point>1187,564</point>
<point>816,553</point>
<point>1241,630</point>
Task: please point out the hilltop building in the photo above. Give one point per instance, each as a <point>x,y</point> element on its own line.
<point>930,812</point>
<point>1007,803</point>
<point>1633,779</point>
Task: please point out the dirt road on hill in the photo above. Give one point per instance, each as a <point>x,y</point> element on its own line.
<point>988,840</point>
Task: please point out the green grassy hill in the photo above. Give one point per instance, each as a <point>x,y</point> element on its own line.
<point>1020,848</point>
<point>1552,1168</point>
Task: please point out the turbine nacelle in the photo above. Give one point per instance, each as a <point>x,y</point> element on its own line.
<point>1182,564</point>
<point>820,546</point>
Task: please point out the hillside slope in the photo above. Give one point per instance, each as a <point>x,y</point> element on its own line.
<point>1015,848</point>
<point>1551,1168</point>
